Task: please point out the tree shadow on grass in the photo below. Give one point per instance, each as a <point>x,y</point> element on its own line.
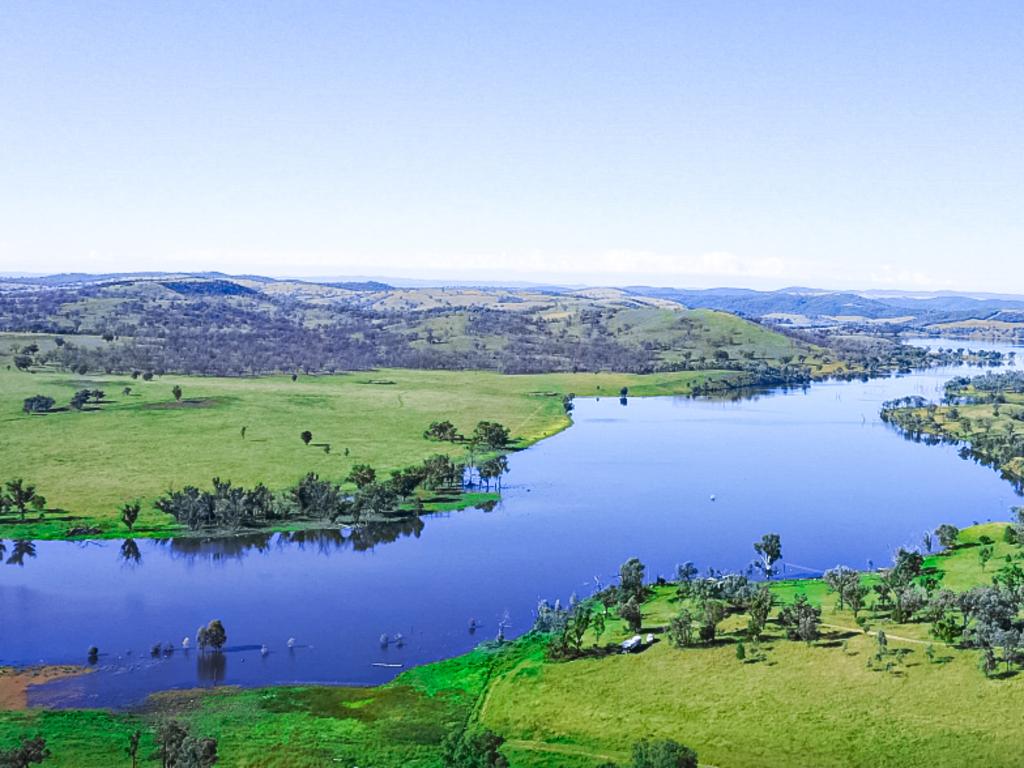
<point>1005,674</point>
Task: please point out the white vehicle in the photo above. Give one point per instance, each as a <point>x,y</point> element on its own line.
<point>634,644</point>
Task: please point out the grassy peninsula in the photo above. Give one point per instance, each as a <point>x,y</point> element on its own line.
<point>985,414</point>
<point>840,697</point>
<point>139,444</point>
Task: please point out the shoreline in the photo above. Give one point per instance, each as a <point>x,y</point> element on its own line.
<point>697,383</point>
<point>16,681</point>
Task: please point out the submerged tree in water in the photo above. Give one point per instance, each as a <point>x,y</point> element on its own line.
<point>212,636</point>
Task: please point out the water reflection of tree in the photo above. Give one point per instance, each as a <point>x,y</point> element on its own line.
<point>20,549</point>
<point>130,552</point>
<point>211,667</point>
<point>963,449</point>
<point>324,541</point>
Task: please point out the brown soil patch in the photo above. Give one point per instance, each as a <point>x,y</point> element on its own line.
<point>15,682</point>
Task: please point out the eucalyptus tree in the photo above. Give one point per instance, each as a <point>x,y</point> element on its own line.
<point>947,535</point>
<point>758,612</point>
<point>597,623</point>
<point>801,619</point>
<point>769,550</point>
<point>681,629</point>
<point>711,614</point>
<point>630,612</point>
<point>442,430</point>
<point>130,513</point>
<point>579,623</point>
<point>493,469</point>
<point>21,496</point>
<point>38,404</point>
<point>663,753</point>
<point>212,636</point>
<point>631,581</point>
<point>362,475</point>
<point>490,435</point>
<point>841,580</point>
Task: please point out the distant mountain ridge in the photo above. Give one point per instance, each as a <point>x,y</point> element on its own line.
<point>812,304</point>
<point>794,304</point>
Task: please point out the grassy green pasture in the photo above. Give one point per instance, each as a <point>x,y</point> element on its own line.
<point>802,705</point>
<point>139,445</point>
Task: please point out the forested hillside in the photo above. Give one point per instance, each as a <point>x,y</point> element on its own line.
<point>245,326</point>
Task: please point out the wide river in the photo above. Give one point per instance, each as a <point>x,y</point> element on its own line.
<point>664,479</point>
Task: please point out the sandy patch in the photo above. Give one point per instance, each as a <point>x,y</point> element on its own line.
<point>15,682</point>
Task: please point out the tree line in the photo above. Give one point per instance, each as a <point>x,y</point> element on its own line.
<point>314,498</point>
<point>985,618</point>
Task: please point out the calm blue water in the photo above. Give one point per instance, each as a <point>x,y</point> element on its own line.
<point>816,466</point>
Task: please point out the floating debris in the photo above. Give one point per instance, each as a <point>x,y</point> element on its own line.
<point>291,642</point>
<point>388,666</point>
<point>185,643</point>
<point>264,650</point>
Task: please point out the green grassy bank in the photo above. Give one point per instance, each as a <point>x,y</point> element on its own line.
<point>137,446</point>
<point>816,704</point>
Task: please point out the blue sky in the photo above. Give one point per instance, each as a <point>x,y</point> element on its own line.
<point>855,144</point>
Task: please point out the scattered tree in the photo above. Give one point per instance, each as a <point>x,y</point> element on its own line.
<point>133,748</point>
<point>631,581</point>
<point>801,620</point>
<point>663,754</point>
<point>477,748</point>
<point>362,475</point>
<point>758,612</point>
<point>30,752</point>
<point>769,549</point>
<point>212,636</point>
<point>841,580</point>
<point>490,435</point>
<point>38,404</point>
<point>21,496</point>
<point>680,629</point>
<point>442,430</point>
<point>176,748</point>
<point>130,513</point>
<point>712,613</point>
<point>631,614</point>
<point>984,555</point>
<point>947,535</point>
<point>597,623</point>
<point>579,623</point>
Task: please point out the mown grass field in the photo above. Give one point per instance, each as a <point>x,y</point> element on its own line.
<point>802,705</point>
<point>137,446</point>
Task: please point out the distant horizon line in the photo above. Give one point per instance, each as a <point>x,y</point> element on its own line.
<point>440,282</point>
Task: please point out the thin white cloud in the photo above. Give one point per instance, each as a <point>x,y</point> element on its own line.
<point>891,276</point>
<point>614,265</point>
